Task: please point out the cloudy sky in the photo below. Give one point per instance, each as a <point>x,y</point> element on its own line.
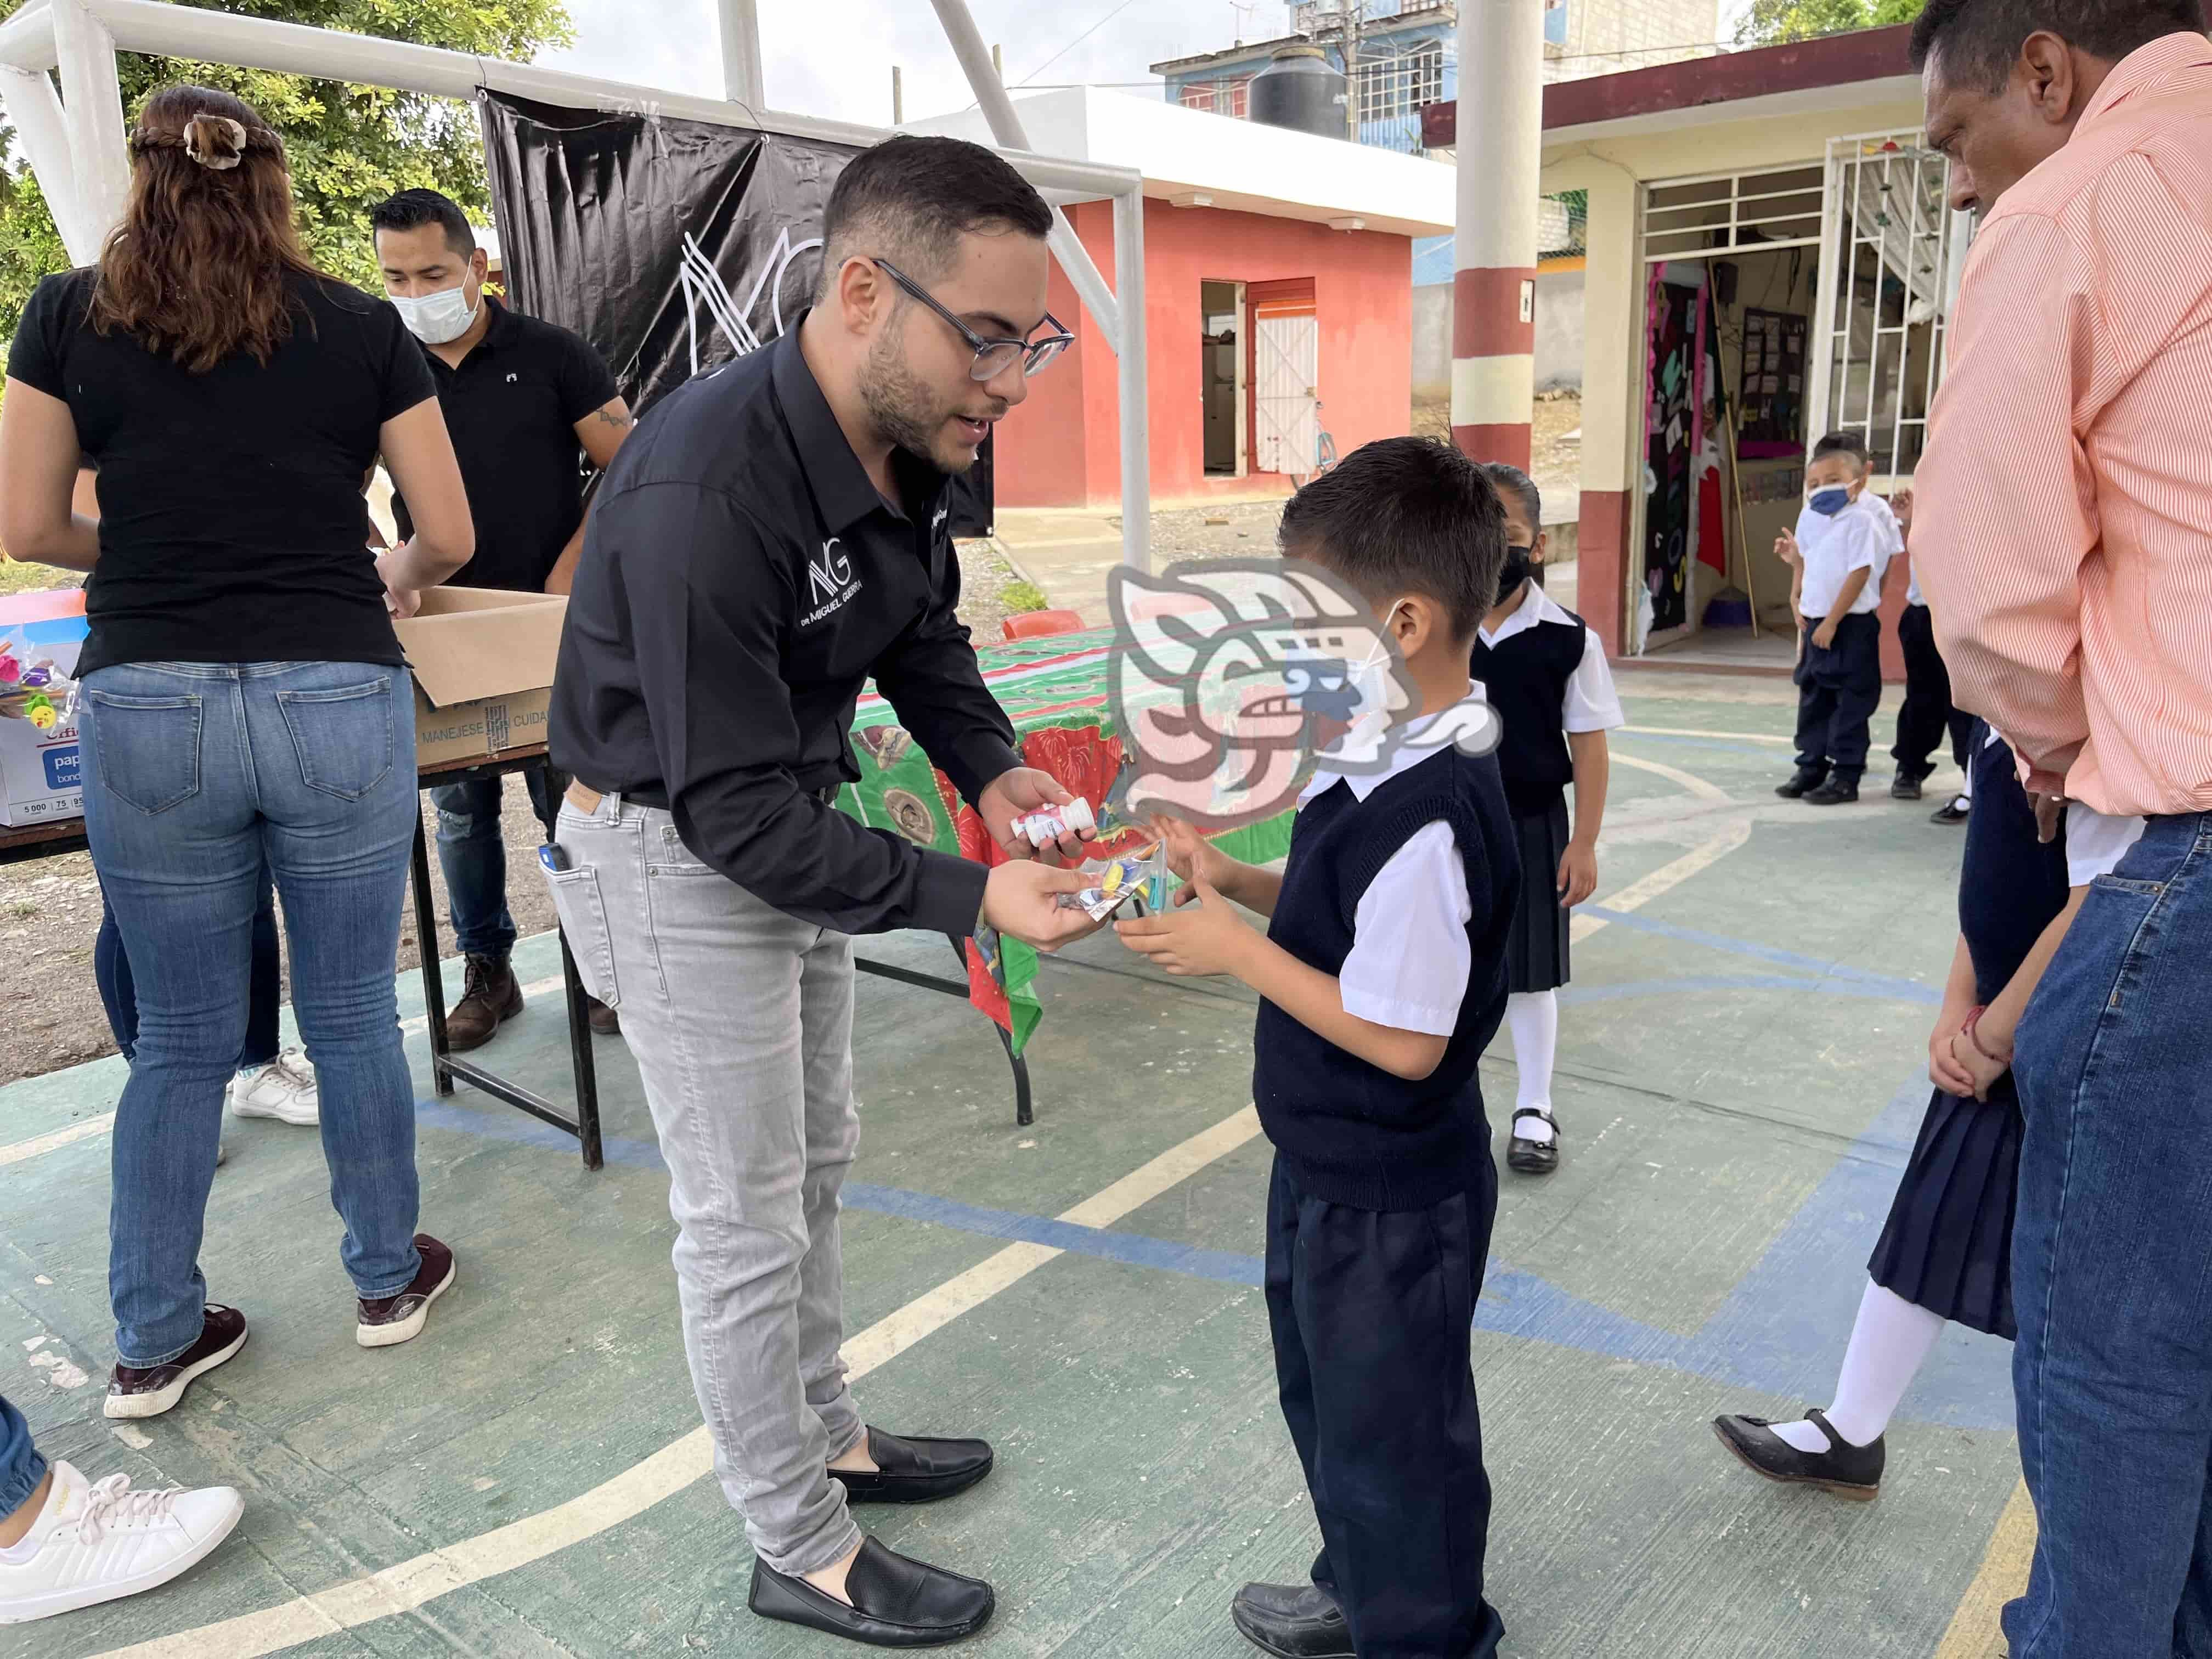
<point>834,58</point>
<point>844,69</point>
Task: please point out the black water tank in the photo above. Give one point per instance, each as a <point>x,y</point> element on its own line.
<point>1301,90</point>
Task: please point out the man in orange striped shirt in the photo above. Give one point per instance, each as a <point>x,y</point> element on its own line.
<point>2065,544</point>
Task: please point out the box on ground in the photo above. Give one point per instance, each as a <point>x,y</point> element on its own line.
<point>483,662</point>
<point>40,777</point>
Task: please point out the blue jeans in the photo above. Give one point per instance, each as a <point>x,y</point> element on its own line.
<point>22,1469</point>
<point>119,992</point>
<point>473,852</point>
<point>2113,1266</point>
<point>198,777</point>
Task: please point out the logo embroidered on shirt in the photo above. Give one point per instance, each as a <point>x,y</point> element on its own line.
<point>832,582</point>
<point>937,522</point>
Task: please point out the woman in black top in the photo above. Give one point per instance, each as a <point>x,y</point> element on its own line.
<point>242,700</point>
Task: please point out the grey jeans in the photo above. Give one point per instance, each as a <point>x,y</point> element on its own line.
<point>741,1019</point>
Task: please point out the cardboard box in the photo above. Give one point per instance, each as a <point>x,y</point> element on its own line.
<point>41,778</point>
<point>483,662</point>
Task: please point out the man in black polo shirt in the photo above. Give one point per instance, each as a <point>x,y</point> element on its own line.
<point>526,403</point>
<point>773,535</point>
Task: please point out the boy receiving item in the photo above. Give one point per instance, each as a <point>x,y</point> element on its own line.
<point>1544,672</point>
<point>1845,537</point>
<point>1382,978</point>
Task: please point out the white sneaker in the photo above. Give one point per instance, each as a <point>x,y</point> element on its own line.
<point>284,1089</point>
<point>96,1542</point>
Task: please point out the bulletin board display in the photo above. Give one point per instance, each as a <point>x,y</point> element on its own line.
<point>1770,384</point>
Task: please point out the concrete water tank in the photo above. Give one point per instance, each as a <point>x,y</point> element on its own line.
<point>1301,90</point>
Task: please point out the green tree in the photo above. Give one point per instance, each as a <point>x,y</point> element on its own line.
<point>350,146</point>
<point>1770,22</point>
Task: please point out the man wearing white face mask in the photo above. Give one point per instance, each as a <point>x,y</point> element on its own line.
<point>528,405</point>
<point>1844,540</point>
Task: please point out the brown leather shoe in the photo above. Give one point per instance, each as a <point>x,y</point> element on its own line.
<point>149,1390</point>
<point>605,1020</point>
<point>390,1320</point>
<point>490,996</point>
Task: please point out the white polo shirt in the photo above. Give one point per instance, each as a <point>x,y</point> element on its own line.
<point>1410,960</point>
<point>1864,536</point>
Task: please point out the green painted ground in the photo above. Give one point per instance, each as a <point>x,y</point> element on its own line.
<point>1734,1076</point>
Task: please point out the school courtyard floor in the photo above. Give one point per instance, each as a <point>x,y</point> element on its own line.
<point>1741,1076</point>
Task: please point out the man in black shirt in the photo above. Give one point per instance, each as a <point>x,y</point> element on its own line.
<point>526,402</point>
<point>773,536</point>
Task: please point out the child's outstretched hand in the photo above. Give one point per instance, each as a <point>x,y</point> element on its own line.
<point>1785,549</point>
<point>1577,875</point>
<point>1210,938</point>
<point>1191,858</point>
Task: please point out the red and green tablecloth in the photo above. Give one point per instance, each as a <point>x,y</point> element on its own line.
<point>1055,692</point>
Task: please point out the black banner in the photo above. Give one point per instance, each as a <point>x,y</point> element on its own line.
<point>672,246</point>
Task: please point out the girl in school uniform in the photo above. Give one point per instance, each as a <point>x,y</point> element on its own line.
<point>1945,1252</point>
<point>1544,672</point>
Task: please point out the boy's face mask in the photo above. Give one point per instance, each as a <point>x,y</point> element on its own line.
<point>1830,500</point>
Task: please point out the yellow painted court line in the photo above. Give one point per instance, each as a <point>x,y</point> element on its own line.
<point>416,1583</point>
<point>1975,1632</point>
<point>1668,877</point>
<point>99,1126</point>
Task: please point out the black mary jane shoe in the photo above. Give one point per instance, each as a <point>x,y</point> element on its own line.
<point>896,1602</point>
<point>1527,1157</point>
<point>1292,1621</point>
<point>1848,1471</point>
<point>915,1471</point>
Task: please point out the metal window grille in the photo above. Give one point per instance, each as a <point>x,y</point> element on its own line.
<point>1391,88</point>
<point>1220,97</point>
<point>1890,259</point>
<point>1684,218</point>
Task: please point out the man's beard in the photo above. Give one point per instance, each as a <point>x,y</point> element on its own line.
<point>905,412</point>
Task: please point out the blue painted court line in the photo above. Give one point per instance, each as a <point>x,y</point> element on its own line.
<point>1781,1332</point>
<point>1905,989</point>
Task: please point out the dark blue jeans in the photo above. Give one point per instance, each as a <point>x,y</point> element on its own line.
<point>199,777</point>
<point>22,1469</point>
<point>1371,1313</point>
<point>118,992</point>
<point>2112,1265</point>
<point>472,853</point>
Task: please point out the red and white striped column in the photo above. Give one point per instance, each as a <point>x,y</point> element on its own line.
<point>1500,145</point>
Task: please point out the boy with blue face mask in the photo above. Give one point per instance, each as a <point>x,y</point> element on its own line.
<point>1844,540</point>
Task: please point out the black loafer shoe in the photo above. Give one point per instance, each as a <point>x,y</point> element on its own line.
<point>896,1603</point>
<point>1848,1471</point>
<point>1905,786</point>
<point>1807,779</point>
<point>1834,792</point>
<point>1292,1621</point>
<point>1533,1157</point>
<point>915,1471</point>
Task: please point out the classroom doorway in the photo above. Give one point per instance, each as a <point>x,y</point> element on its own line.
<point>1221,377</point>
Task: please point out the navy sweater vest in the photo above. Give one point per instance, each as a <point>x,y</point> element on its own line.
<point>1525,678</point>
<point>1350,1133</point>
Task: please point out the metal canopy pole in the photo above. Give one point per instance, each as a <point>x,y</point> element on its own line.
<point>92,111</point>
<point>36,109</point>
<point>741,54</point>
<point>1006,127</point>
<point>1121,318</point>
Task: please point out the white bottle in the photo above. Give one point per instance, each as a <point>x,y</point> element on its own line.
<point>1040,829</point>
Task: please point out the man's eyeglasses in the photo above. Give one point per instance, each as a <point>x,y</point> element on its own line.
<point>993,357</point>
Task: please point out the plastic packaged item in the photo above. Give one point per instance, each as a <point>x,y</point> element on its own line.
<point>1041,829</point>
<point>1134,875</point>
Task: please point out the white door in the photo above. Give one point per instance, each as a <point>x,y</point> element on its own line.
<point>1890,258</point>
<point>1286,423</point>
